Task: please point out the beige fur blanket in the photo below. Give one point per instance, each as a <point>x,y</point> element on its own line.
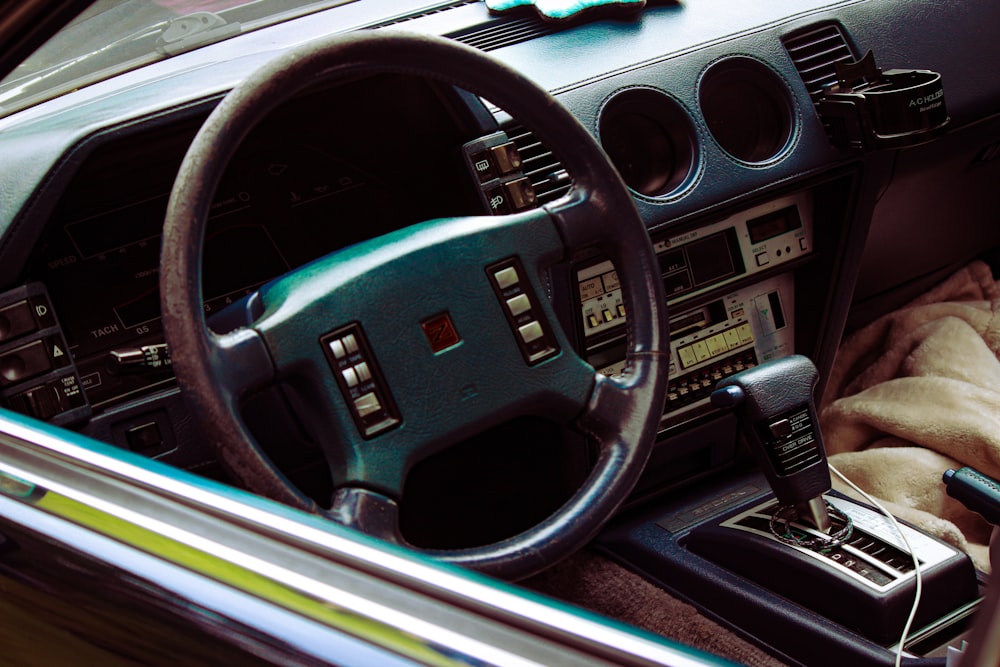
<point>917,392</point>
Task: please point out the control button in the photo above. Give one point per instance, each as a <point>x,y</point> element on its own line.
<point>780,429</point>
<point>530,332</point>
<point>497,199</point>
<point>363,371</point>
<point>803,243</point>
<point>611,282</point>
<point>518,304</point>
<point>350,377</point>
<point>367,404</point>
<point>762,259</point>
<point>746,335</point>
<point>717,345</point>
<point>483,166</point>
<point>593,321</point>
<point>41,402</point>
<point>590,289</point>
<point>361,384</point>
<point>506,157</point>
<point>521,194</point>
<point>43,312</point>
<point>48,400</point>
<point>732,338</point>
<point>701,352</point>
<point>144,437</point>
<point>606,314</point>
<point>24,362</point>
<point>506,277</point>
<point>686,355</point>
<point>57,351</point>
<point>16,320</point>
<point>677,283</point>
<point>337,347</point>
<point>621,310</point>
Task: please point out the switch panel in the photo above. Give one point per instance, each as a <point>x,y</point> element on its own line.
<point>520,306</point>
<point>497,166</point>
<point>37,374</point>
<point>361,383</point>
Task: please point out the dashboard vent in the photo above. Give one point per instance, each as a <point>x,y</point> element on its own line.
<point>421,14</point>
<point>499,33</point>
<point>815,52</point>
<point>541,166</point>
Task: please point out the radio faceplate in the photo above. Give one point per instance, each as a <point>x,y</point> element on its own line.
<point>738,329</point>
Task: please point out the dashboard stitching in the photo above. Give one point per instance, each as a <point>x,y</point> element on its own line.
<point>699,128</point>
<point>795,130</point>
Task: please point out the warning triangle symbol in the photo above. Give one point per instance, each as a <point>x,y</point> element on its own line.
<point>56,351</point>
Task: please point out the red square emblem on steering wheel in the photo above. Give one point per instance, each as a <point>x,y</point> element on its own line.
<point>440,332</point>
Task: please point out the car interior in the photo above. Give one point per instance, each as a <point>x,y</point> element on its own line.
<point>621,305</point>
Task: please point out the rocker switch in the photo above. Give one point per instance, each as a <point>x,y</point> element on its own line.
<point>520,307</point>
<point>365,390</point>
<point>781,429</point>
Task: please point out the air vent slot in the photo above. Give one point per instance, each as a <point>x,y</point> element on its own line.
<point>541,167</point>
<point>499,33</point>
<point>815,52</point>
<point>421,14</point>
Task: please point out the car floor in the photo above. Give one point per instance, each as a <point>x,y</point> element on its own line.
<point>594,582</point>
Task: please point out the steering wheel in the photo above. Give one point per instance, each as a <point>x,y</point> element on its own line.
<point>396,348</point>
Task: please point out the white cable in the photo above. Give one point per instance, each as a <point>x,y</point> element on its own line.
<point>913,556</point>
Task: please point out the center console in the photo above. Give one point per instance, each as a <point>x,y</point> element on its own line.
<point>735,513</point>
<point>777,555</point>
<point>731,294</point>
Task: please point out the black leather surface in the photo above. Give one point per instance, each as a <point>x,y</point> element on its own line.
<point>771,391</point>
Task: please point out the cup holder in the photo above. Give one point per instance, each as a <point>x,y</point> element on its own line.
<point>747,108</point>
<point>651,141</point>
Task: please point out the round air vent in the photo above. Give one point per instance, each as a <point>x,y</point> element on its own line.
<point>747,108</point>
<point>650,139</point>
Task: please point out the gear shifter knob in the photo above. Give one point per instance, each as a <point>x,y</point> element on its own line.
<point>775,406</point>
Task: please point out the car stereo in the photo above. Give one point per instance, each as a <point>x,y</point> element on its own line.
<point>731,294</point>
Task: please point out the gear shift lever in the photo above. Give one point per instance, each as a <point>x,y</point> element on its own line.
<point>774,403</point>
<point>836,557</point>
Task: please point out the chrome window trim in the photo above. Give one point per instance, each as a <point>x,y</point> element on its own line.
<point>256,534</point>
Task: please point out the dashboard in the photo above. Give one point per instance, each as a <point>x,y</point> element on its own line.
<point>757,217</point>
<point>774,236</point>
<point>317,176</point>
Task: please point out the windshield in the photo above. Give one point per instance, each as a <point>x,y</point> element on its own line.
<point>113,36</point>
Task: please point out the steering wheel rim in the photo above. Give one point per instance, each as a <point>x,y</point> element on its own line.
<point>216,371</point>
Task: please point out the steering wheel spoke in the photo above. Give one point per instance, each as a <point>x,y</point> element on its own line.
<point>240,363</point>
